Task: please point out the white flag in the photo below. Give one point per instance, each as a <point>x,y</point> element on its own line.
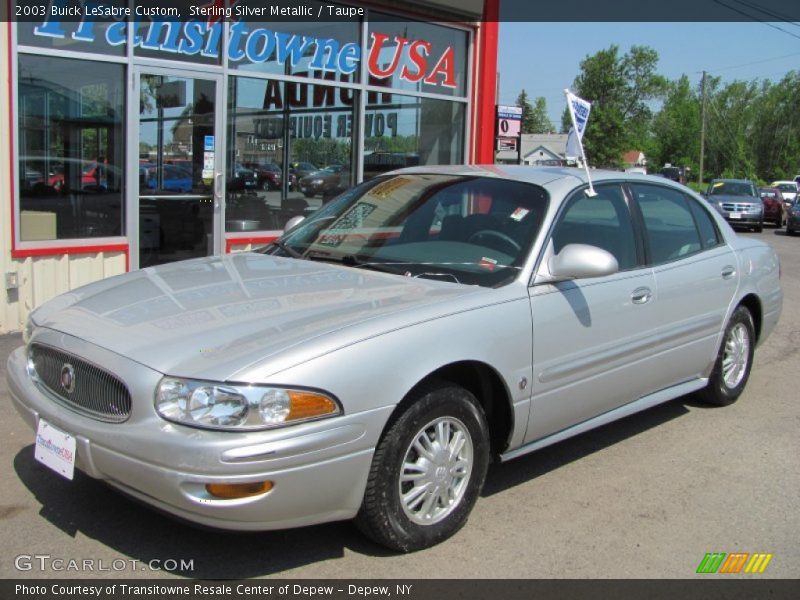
<point>573,151</point>
<point>579,111</point>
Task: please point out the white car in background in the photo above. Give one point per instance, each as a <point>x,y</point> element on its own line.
<point>788,191</point>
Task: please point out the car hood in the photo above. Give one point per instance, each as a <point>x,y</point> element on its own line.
<point>736,199</point>
<point>211,317</point>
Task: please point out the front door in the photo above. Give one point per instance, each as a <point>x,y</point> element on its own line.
<point>178,167</point>
<point>593,338</point>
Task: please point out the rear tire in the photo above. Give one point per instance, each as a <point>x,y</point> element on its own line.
<point>428,470</point>
<point>734,360</point>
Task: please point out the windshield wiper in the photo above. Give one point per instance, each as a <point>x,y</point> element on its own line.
<point>288,249</point>
<point>351,260</point>
<point>438,276</point>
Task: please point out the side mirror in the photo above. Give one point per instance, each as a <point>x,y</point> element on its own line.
<point>582,261</point>
<point>293,222</point>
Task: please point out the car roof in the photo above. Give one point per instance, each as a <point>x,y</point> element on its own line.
<point>543,176</point>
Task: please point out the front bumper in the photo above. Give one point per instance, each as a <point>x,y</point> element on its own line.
<point>744,219</point>
<point>318,469</point>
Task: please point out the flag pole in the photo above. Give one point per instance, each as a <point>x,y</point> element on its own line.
<point>590,192</point>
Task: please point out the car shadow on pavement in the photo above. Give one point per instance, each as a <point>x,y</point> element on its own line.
<point>507,475</point>
<point>90,508</point>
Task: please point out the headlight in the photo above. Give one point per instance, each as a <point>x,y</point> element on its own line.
<point>238,407</point>
<point>27,331</point>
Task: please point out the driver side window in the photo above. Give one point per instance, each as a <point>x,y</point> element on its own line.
<point>603,221</point>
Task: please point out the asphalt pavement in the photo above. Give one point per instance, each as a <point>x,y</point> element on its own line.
<point>645,497</point>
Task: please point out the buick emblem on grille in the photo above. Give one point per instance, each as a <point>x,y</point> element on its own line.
<point>68,378</point>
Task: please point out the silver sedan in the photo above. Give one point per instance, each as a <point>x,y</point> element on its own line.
<point>371,362</point>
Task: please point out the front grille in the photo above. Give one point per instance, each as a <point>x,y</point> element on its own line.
<point>735,207</point>
<point>95,392</point>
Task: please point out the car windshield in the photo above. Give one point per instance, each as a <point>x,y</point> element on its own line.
<point>456,228</point>
<point>787,187</point>
<point>731,188</point>
<point>768,194</point>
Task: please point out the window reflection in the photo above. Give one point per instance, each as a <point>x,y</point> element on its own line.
<point>71,165</point>
<point>290,148</point>
<point>404,131</point>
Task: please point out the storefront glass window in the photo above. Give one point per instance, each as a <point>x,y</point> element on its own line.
<point>71,159</point>
<point>176,203</point>
<point>412,55</point>
<point>290,149</point>
<point>404,131</point>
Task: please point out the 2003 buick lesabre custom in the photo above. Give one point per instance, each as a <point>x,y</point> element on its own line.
<point>372,361</point>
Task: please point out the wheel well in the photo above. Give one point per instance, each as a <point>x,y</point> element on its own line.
<point>753,304</point>
<point>487,386</point>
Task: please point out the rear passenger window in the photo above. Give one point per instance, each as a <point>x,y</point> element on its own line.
<point>670,227</point>
<point>603,221</point>
<point>709,234</point>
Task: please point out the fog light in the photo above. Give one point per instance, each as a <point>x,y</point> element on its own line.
<point>231,491</point>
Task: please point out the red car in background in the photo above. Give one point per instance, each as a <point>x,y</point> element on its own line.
<point>774,210</point>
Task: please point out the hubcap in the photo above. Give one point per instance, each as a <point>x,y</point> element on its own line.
<point>435,471</point>
<point>737,354</point>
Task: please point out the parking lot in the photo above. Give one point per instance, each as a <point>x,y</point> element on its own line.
<point>645,497</point>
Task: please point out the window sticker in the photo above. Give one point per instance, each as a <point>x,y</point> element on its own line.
<point>488,263</point>
<point>385,189</point>
<point>520,213</point>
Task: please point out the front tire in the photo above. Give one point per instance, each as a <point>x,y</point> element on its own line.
<point>734,360</point>
<point>428,470</point>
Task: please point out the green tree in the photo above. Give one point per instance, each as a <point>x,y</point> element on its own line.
<point>527,112</point>
<point>619,88</point>
<point>676,128</point>
<point>539,121</point>
<point>775,134</point>
<point>731,111</point>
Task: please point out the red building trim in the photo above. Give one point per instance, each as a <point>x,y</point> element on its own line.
<point>26,252</point>
<point>12,158</point>
<point>485,64</point>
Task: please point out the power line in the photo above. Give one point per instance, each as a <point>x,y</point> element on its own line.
<point>771,13</point>
<point>755,18</point>
<point>755,62</point>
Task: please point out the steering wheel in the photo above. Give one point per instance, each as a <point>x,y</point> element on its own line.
<point>505,240</point>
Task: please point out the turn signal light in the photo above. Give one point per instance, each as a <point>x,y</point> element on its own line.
<point>232,491</point>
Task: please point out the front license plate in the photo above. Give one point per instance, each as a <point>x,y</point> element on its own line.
<point>55,449</point>
<point>735,215</point>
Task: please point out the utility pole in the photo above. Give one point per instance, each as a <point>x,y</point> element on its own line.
<point>702,127</point>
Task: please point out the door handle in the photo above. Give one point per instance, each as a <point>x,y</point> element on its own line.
<point>641,295</point>
<point>217,189</point>
<point>728,272</point>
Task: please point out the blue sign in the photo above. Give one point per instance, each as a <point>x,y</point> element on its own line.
<point>208,143</point>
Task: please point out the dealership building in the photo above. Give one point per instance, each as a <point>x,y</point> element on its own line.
<point>127,142</point>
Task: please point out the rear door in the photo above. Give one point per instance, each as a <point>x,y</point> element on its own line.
<point>696,278</point>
